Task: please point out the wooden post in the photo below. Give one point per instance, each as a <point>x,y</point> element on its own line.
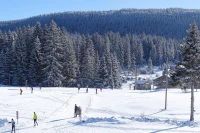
<point>135,78</point>
<point>17,116</point>
<point>166,85</point>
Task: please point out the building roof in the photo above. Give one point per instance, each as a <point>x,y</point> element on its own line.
<point>142,81</point>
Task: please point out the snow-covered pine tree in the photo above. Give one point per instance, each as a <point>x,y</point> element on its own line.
<point>103,75</point>
<point>153,55</point>
<point>127,54</point>
<point>53,55</point>
<point>86,69</point>
<point>35,66</point>
<point>150,66</point>
<point>133,63</point>
<point>188,70</point>
<point>138,50</point>
<point>21,54</point>
<point>90,47</point>
<point>37,31</point>
<point>69,60</point>
<point>116,72</point>
<point>107,55</point>
<point>13,70</point>
<point>97,79</point>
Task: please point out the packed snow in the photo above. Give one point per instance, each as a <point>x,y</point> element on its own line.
<point>109,111</point>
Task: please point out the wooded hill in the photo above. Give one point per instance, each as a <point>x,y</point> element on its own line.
<point>169,23</point>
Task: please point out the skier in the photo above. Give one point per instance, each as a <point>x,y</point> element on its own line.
<point>40,85</point>
<point>78,87</point>
<point>35,119</point>
<point>101,88</point>
<point>31,89</point>
<point>13,125</point>
<point>75,110</point>
<point>129,86</point>
<point>96,90</point>
<point>21,91</point>
<point>87,89</point>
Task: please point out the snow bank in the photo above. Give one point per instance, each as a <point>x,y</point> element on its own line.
<point>2,122</point>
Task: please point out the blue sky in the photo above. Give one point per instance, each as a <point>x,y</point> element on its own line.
<point>18,9</point>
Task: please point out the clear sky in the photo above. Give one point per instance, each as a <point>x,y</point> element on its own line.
<point>18,9</point>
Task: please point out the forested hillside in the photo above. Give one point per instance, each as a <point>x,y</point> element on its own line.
<point>54,57</point>
<point>169,23</point>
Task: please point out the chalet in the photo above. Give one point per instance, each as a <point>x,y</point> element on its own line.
<point>160,82</point>
<point>143,85</point>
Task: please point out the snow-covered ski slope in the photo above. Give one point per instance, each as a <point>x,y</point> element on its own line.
<point>109,111</point>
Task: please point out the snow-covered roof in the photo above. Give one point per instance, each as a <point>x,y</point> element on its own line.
<point>141,81</point>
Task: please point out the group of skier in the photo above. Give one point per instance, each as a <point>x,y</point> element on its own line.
<point>77,110</point>
<point>13,122</point>
<point>40,85</point>
<point>79,86</point>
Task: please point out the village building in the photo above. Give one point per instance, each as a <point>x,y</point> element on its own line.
<point>143,85</point>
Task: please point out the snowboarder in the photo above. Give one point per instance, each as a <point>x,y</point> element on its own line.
<point>87,89</point>
<point>75,109</point>
<point>78,87</point>
<point>13,125</point>
<point>21,91</point>
<point>40,85</point>
<point>35,119</point>
<point>31,89</point>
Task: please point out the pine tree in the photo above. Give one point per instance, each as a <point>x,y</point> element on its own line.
<point>150,66</point>
<point>86,69</point>
<point>35,66</point>
<point>188,70</point>
<point>103,75</point>
<point>69,61</point>
<point>53,56</point>
<point>127,55</point>
<point>116,72</point>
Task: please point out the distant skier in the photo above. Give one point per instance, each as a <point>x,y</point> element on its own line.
<point>101,88</point>
<point>87,89</point>
<point>21,91</point>
<point>75,110</point>
<point>96,90</point>
<point>129,86</point>
<point>13,125</point>
<point>31,89</point>
<point>40,85</point>
<point>78,87</point>
<point>35,119</point>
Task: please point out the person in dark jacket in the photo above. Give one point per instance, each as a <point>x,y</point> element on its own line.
<point>40,85</point>
<point>87,89</point>
<point>75,109</point>
<point>13,125</point>
<point>79,86</point>
<point>31,89</point>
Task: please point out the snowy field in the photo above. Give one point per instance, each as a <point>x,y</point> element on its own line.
<point>109,111</point>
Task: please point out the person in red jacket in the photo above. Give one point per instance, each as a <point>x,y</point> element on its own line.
<point>101,88</point>
<point>21,91</point>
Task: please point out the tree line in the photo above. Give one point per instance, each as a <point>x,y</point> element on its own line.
<point>54,57</point>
